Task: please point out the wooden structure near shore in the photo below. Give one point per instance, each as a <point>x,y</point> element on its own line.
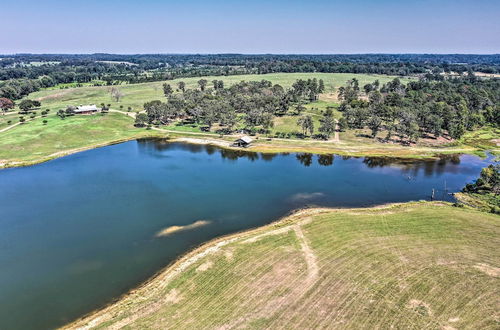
<point>243,142</point>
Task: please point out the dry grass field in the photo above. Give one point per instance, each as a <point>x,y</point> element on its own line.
<point>407,266</point>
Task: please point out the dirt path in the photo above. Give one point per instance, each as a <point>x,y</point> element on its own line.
<point>336,136</point>
<point>130,114</point>
<point>275,305</point>
<point>310,258</point>
<point>9,127</point>
<point>16,124</point>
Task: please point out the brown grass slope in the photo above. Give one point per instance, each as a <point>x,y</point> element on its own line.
<point>416,265</point>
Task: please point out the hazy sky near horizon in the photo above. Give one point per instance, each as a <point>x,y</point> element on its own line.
<point>253,26</point>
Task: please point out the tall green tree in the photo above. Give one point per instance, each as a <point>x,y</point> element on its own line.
<point>327,123</point>
<point>167,90</point>
<point>306,123</point>
<point>203,84</point>
<point>182,86</point>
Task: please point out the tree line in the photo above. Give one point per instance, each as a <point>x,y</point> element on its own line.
<point>18,77</point>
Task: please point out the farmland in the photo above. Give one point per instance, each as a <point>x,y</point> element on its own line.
<point>415,265</point>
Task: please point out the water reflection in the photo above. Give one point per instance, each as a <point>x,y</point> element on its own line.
<point>305,159</point>
<point>325,160</point>
<point>410,167</point>
<point>429,167</point>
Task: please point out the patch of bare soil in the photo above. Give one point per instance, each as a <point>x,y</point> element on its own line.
<point>489,270</point>
<point>329,97</point>
<point>228,254</point>
<point>220,143</point>
<point>278,231</point>
<point>435,141</point>
<point>447,327</point>
<point>204,266</point>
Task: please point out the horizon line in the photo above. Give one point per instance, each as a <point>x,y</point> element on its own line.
<point>252,54</point>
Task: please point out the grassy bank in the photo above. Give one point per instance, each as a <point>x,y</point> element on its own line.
<point>35,141</point>
<point>483,202</point>
<point>415,265</point>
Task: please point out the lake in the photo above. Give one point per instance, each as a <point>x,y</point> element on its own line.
<point>79,231</point>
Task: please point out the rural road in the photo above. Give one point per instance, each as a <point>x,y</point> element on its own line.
<point>18,123</point>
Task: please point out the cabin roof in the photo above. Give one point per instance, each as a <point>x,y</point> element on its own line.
<point>82,108</point>
<point>245,139</point>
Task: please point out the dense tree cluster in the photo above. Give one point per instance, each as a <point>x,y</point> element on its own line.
<point>485,191</point>
<point>431,107</point>
<point>488,181</point>
<point>27,105</point>
<point>254,104</point>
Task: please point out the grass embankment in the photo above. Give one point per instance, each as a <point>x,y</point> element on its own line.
<point>415,265</point>
<point>34,141</point>
<point>484,202</point>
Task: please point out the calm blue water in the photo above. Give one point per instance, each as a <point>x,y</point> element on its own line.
<point>78,231</point>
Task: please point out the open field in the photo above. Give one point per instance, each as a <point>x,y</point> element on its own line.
<point>34,141</point>
<point>414,265</point>
<point>137,94</point>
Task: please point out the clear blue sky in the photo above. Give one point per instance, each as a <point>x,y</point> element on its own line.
<point>251,26</point>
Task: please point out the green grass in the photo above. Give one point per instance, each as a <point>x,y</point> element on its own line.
<point>4,120</point>
<point>179,127</point>
<point>34,140</point>
<point>415,265</point>
<point>137,94</point>
<point>482,138</point>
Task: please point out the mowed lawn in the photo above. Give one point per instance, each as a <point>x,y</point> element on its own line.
<point>137,94</point>
<point>409,266</point>
<point>33,140</point>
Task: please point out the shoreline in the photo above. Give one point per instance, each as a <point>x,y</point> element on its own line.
<point>68,152</point>
<point>411,153</point>
<point>168,273</point>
